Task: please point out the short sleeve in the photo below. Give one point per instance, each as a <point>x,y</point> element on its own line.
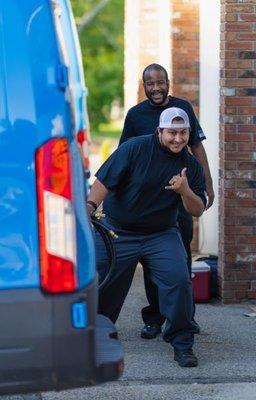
<point>113,172</point>
<point>196,132</point>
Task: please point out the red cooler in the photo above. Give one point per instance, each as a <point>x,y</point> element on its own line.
<point>201,281</point>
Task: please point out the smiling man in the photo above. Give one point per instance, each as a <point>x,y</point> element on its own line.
<point>142,119</point>
<point>142,184</point>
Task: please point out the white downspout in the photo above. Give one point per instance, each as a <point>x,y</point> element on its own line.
<point>209,113</point>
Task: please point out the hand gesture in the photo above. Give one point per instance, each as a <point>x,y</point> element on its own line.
<point>179,183</point>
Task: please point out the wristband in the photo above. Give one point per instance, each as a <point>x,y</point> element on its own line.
<point>94,205</point>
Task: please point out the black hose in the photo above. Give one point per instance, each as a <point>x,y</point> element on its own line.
<point>107,237</point>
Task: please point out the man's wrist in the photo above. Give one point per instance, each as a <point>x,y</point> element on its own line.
<point>187,193</point>
<point>92,204</point>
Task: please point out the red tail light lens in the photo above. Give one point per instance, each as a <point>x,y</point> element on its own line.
<point>82,138</point>
<point>56,218</point>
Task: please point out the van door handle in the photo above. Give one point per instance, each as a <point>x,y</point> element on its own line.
<point>62,76</point>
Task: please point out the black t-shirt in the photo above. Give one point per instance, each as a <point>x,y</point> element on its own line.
<point>136,175</point>
<point>143,119</point>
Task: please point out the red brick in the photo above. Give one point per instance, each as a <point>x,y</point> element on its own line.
<point>241,294</point>
<point>229,73</point>
<point>236,285</point>
<point>251,295</point>
<point>248,239</point>
<point>228,110</point>
<point>246,203</point>
<point>230,18</point>
<point>228,128</point>
<point>239,212</point>
<point>239,8</point>
<point>230,275</point>
<point>228,295</point>
<point>238,27</point>
<point>247,128</point>
<point>228,54</point>
<point>239,45</point>
<point>238,137</point>
<point>237,194</point>
<point>238,1</point>
<point>241,82</point>
<point>230,165</point>
<point>243,275</point>
<point>238,101</point>
<point>246,147</point>
<point>248,166</point>
<point>247,36</point>
<point>245,184</point>
<point>236,155</point>
<point>236,64</point>
<point>241,230</point>
<point>238,248</point>
<point>246,110</point>
<point>230,146</point>
<point>247,17</point>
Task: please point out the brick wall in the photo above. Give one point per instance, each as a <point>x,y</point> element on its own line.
<point>185,61</point>
<point>153,36</point>
<point>149,43</point>
<point>185,50</point>
<point>237,244</point>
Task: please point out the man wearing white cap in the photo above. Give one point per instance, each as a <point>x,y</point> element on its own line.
<point>142,184</point>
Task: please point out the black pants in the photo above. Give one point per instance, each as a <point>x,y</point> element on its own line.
<point>168,270</point>
<point>151,314</point>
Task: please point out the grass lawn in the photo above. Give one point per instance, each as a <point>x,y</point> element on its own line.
<point>110,130</point>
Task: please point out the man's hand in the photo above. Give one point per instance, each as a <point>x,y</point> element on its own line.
<point>210,196</point>
<point>179,183</point>
<point>193,204</point>
<point>200,154</point>
<point>90,208</point>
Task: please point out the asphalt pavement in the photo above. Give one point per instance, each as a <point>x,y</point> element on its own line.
<point>226,349</point>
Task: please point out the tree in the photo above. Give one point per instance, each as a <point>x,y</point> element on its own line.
<point>101,42</point>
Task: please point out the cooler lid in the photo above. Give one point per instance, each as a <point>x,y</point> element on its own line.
<point>200,266</point>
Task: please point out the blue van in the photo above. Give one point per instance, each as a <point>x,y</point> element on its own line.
<point>51,336</point>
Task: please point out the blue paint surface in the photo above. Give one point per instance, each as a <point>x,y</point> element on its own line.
<point>42,96</point>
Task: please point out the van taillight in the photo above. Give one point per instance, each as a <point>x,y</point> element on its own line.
<point>82,138</point>
<point>56,218</point>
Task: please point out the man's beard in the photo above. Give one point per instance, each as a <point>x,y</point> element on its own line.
<point>151,99</point>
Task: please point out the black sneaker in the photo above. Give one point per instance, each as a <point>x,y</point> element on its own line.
<point>196,327</point>
<point>150,331</point>
<point>185,358</point>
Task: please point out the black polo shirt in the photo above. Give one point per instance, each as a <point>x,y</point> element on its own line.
<point>136,175</point>
<point>143,119</point>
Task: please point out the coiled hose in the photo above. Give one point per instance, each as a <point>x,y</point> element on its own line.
<point>107,236</point>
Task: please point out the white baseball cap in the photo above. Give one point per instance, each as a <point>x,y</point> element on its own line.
<point>168,115</point>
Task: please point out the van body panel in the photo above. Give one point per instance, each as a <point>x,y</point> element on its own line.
<point>44,110</point>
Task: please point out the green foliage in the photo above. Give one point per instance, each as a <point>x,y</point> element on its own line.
<point>81,6</point>
<point>102,48</point>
